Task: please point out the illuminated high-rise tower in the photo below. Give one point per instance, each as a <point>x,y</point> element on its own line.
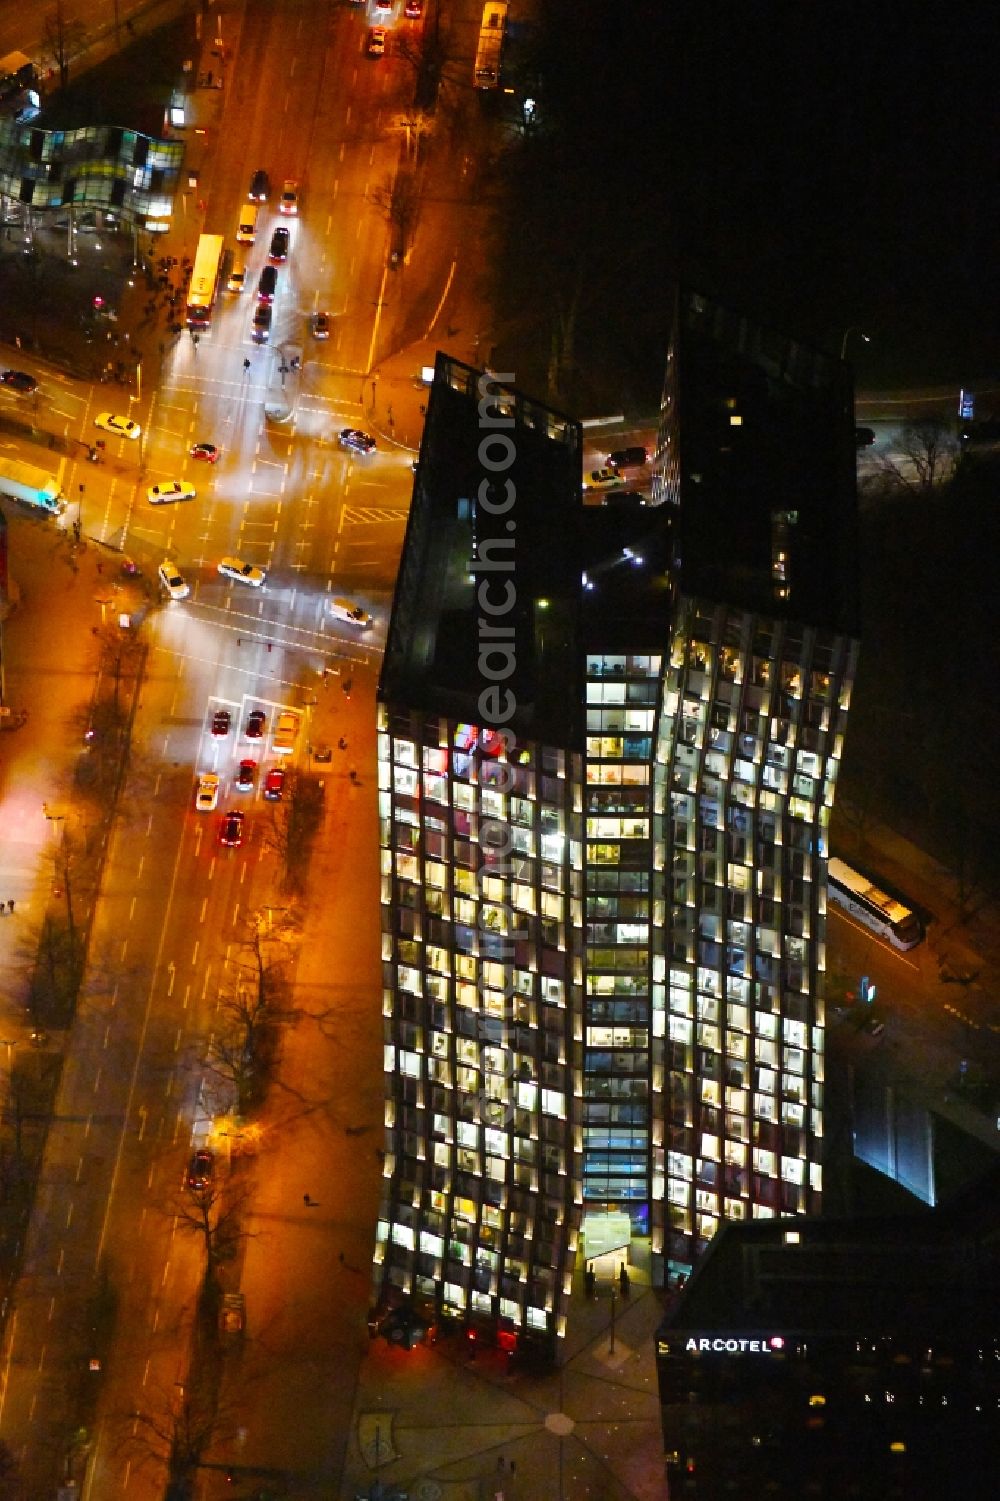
<point>609,737</point>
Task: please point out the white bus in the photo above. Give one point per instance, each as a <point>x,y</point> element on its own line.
<point>883,914</point>
<point>204,281</point>
<point>488,52</point>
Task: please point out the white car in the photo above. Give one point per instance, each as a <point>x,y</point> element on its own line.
<point>289,201</point>
<point>206,797</point>
<point>243,573</point>
<point>172,579</point>
<point>170,490</point>
<point>285,733</point>
<point>346,609</point>
<point>122,427</point>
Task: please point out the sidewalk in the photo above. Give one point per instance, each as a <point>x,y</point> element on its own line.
<point>49,670</point>
<point>306,1267</point>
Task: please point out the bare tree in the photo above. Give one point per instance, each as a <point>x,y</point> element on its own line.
<point>428,52</point>
<point>294,822</point>
<point>175,1430</point>
<point>215,1213</point>
<point>63,39</point>
<point>924,456</point>
<point>399,200</point>
<point>120,655</point>
<point>242,1052</point>
<point>9,1483</point>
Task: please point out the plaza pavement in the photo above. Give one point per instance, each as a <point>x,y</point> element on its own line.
<point>438,1423</point>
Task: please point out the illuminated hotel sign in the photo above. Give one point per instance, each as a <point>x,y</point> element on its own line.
<point>722,1344</point>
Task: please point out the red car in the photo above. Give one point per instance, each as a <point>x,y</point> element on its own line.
<point>414,10</point>
<point>207,452</point>
<point>245,776</point>
<point>274,784</point>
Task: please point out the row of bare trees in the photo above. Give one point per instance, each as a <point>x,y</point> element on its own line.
<point>183,1428</point>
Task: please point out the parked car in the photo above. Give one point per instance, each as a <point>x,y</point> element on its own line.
<point>255,725</point>
<point>221,721</point>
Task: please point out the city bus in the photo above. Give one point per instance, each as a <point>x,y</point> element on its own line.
<point>204,281</point>
<point>882,913</point>
<point>488,52</point>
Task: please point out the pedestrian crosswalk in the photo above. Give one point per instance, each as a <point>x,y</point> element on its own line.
<point>368,515</point>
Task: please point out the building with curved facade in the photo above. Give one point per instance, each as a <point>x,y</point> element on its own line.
<point>104,167</point>
<point>609,742</point>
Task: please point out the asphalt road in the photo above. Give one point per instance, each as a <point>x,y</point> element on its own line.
<point>174,905</point>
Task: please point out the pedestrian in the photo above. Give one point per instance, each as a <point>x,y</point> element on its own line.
<point>353,775</point>
<point>10,905</point>
<point>246,364</point>
<point>346,685</point>
<point>100,567</point>
<point>342,743</point>
<point>307,1201</point>
<point>340,1256</point>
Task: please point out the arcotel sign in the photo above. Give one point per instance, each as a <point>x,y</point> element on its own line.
<point>721,1344</point>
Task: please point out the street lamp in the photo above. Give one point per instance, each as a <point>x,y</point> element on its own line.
<point>614,1295</point>
<point>60,818</point>
<point>855,328</point>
